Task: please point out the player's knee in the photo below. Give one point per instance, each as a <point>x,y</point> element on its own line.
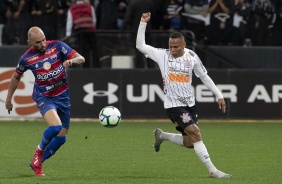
<point>194,134</point>
<point>189,145</point>
<point>63,132</point>
<point>61,139</point>
<point>197,133</point>
<point>56,129</point>
<point>187,142</point>
<point>192,130</point>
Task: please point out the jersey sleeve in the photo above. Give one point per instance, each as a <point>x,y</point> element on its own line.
<point>149,51</point>
<point>21,68</point>
<point>199,68</point>
<point>156,54</point>
<point>66,50</point>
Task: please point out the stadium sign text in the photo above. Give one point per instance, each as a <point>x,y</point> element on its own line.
<point>149,93</point>
<point>260,93</point>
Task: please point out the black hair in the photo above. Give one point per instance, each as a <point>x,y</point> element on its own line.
<point>177,35</point>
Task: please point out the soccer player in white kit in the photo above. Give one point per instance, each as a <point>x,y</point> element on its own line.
<point>176,65</point>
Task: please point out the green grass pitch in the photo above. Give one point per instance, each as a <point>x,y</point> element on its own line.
<point>251,152</point>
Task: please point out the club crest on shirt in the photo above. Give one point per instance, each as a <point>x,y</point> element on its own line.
<point>187,62</point>
<point>47,65</point>
<point>54,57</point>
<point>42,105</point>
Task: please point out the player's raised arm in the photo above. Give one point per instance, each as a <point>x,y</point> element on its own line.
<point>146,17</point>
<point>140,40</point>
<point>15,79</point>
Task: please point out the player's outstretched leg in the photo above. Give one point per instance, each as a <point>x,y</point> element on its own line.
<point>158,141</point>
<point>36,164</point>
<point>220,174</point>
<point>203,154</point>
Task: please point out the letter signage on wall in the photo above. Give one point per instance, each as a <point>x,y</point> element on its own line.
<point>249,94</point>
<point>139,93</point>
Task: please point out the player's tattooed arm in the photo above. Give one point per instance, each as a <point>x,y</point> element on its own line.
<point>76,59</point>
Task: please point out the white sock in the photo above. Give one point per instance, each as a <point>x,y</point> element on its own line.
<point>175,138</point>
<point>203,154</point>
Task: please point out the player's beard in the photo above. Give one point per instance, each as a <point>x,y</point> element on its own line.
<point>41,50</point>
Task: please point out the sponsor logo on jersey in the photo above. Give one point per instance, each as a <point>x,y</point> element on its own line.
<point>179,77</point>
<point>32,58</point>
<point>64,50</point>
<point>21,67</point>
<point>178,70</point>
<point>53,86</point>
<point>203,68</point>
<point>50,51</point>
<point>51,74</point>
<point>185,100</point>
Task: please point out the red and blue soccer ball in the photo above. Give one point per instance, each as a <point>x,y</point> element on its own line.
<point>109,116</point>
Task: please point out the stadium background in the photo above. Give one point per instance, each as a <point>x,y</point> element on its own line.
<point>249,77</point>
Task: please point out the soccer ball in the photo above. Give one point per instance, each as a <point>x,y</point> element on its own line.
<point>109,116</point>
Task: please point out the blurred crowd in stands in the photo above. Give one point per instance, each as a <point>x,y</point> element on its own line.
<point>214,22</point>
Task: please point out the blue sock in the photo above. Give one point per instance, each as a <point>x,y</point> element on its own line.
<point>53,146</point>
<point>48,135</point>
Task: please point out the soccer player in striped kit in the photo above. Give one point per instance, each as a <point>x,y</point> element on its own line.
<point>176,65</point>
<point>48,61</point>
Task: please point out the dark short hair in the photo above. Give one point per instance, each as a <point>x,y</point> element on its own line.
<point>177,35</point>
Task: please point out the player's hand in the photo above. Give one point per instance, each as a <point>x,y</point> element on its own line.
<point>9,106</point>
<point>145,17</point>
<point>222,105</point>
<point>67,63</point>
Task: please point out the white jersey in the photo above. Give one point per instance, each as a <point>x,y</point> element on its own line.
<point>176,72</point>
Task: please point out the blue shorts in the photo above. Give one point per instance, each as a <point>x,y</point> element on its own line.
<point>61,104</point>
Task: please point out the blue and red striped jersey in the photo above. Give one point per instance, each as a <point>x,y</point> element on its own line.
<point>48,70</point>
